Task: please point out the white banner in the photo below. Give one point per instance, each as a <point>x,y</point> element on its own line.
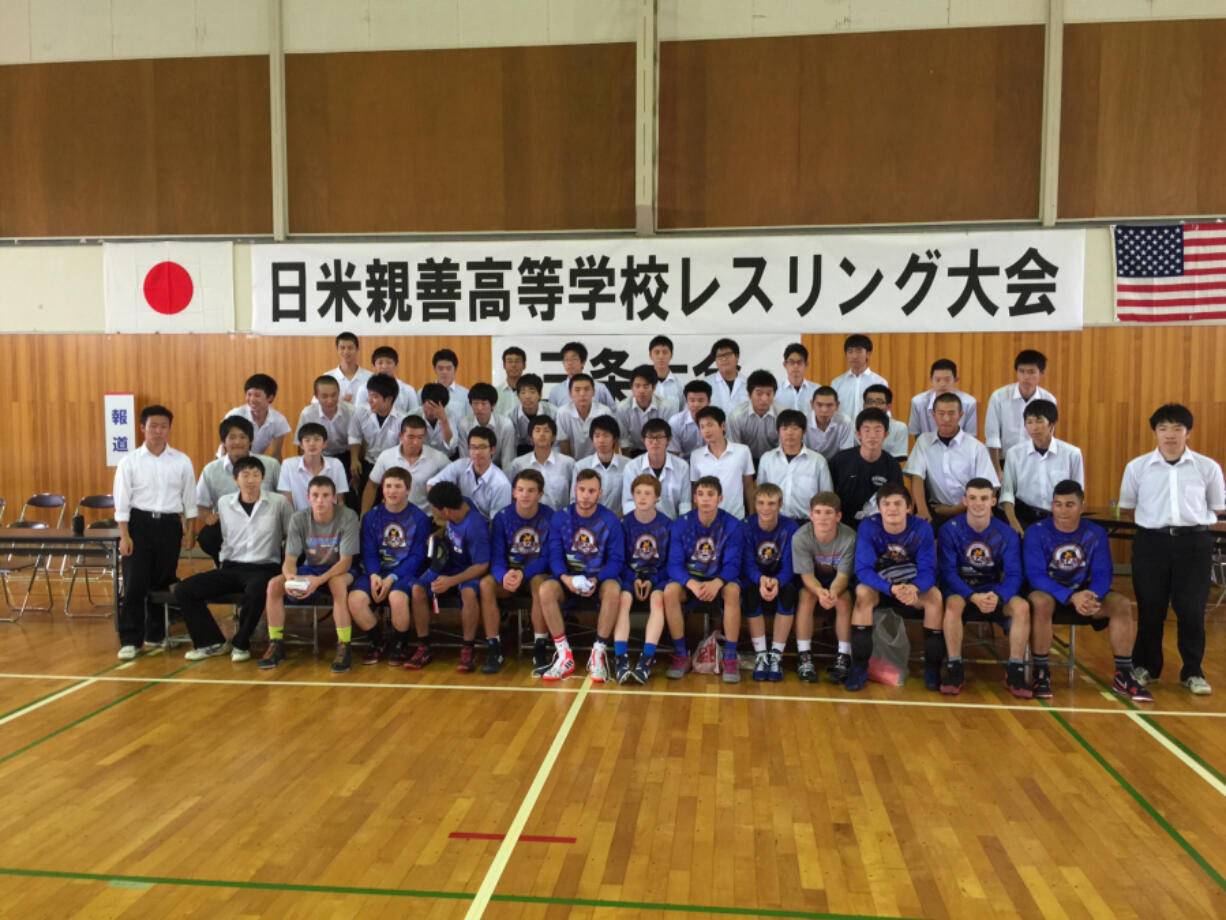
<point>612,361</point>
<point>1005,281</point>
<point>169,287</point>
<point>119,426</point>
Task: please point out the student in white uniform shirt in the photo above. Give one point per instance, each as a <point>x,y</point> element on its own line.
<point>944,379</point>
<point>574,359</point>
<point>573,420</point>
<point>349,375</point>
<point>1004,424</point>
<point>642,405</point>
<point>605,460</point>
<point>668,386</point>
<point>796,392</point>
<point>728,388</point>
<point>154,490</point>
<point>514,360</point>
<point>1175,495</point>
<point>445,365</point>
<point>798,471</point>
<point>943,461</point>
<point>828,430</point>
<point>684,425</point>
<point>412,454</point>
<point>1034,467</point>
<point>482,483</point>
<point>556,468</point>
<point>386,360</point>
<point>328,410</point>
<point>530,405</point>
<point>672,472</point>
<point>297,472</point>
<point>897,440</point>
<point>217,479</point>
<point>850,385</point>
<point>481,400</point>
<point>441,429</point>
<point>730,463</point>
<point>270,426</point>
<point>374,428</point>
<point>753,423</point>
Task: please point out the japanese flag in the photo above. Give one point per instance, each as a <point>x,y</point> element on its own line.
<point>169,287</point>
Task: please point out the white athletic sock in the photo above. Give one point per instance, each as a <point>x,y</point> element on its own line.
<point>844,648</point>
<point>759,643</point>
<point>778,647</point>
<point>804,645</point>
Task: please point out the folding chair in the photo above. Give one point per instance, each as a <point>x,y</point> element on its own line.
<point>53,507</point>
<point>93,559</point>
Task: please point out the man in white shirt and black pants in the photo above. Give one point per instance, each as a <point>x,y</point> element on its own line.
<point>1177,495</point>
<point>155,500</point>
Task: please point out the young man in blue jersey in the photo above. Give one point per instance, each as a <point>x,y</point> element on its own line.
<point>704,565</point>
<point>586,558</point>
<point>1068,566</point>
<point>394,535</point>
<point>980,560</point>
<point>467,536</point>
<point>643,579</point>
<point>895,556</point>
<point>767,582</point>
<point>518,566</point>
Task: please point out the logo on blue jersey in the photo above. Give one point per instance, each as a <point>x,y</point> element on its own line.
<point>646,549</point>
<point>895,552</point>
<point>526,542</point>
<point>1068,558</point>
<point>393,536</point>
<point>704,550</point>
<point>584,543</point>
<point>768,554</point>
<point>978,555</point>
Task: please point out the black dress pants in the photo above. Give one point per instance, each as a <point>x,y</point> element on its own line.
<point>1171,570</point>
<point>151,567</point>
<point>247,578</point>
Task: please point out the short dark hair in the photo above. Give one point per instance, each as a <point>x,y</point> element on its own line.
<point>412,421</point>
<point>697,386</point>
<point>230,422</point>
<point>537,420</point>
<point>513,350</point>
<point>445,495</point>
<point>761,378</point>
<point>857,340</point>
<point>483,391</point>
<point>1030,356</point>
<point>529,381</point>
<point>1069,487</point>
<point>324,380</point>
<point>654,426</point>
<point>948,398</point>
<point>444,354</point>
<point>150,411</point>
<point>711,412</point>
<point>261,382</point>
<point>647,373</point>
<point>588,473</point>
<point>581,378</point>
<point>1041,408</point>
<point>943,364</point>
<point>397,472</point>
<point>532,476</point>
<point>660,340</point>
<point>306,429</point>
<point>873,414</point>
<point>384,385</point>
<point>1173,414</point>
<point>321,482</point>
<point>605,423</point>
<point>385,351</point>
<point>487,434</point>
<point>791,417</point>
<point>346,337</point>
<point>796,349</point>
<point>825,391</point>
<point>577,347</point>
<point>829,499</point>
<point>893,488</point>
<point>249,462</point>
<point>980,483</point>
<point>711,482</point>
<point>883,390</point>
<point>435,392</point>
<point>730,344</point>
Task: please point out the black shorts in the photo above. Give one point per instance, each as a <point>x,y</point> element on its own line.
<point>753,605</point>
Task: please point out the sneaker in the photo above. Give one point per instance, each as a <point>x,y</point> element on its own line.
<point>775,667</point>
<point>374,653</point>
<point>209,651</point>
<point>149,644</point>
<point>127,652</point>
<point>622,669</point>
<point>597,667</point>
<point>678,665</point>
<point>1141,676</point>
<point>1041,685</point>
<point>240,654</point>
<point>857,677</point>
<point>1196,684</point>
<point>1015,681</point>
<point>732,671</point>
<point>343,659</point>
<point>541,659</point>
<point>641,673</point>
<point>806,670</point>
<point>421,657</point>
<point>837,672</point>
<point>494,660</point>
<point>1126,685</point>
<point>563,666</point>
<point>761,665</point>
<point>954,679</point>
<point>468,661</point>
<point>274,655</point>
<point>398,654</point>
<point>932,678</point>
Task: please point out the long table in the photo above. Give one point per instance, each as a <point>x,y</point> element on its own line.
<point>46,542</point>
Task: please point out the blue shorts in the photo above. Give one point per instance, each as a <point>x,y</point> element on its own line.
<point>427,577</point>
<point>312,570</point>
<point>362,583</point>
<point>657,582</point>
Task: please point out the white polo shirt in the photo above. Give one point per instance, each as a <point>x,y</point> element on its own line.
<point>728,467</point>
<point>275,426</point>
<point>556,469</point>
<point>1005,425</point>
<point>851,389</point>
<point>948,468</point>
<point>610,479</point>
<point>428,463</point>
<point>1032,476</point>
<point>1183,494</point>
<point>800,478</point>
<point>726,396</point>
<point>337,426</point>
<point>296,479</point>
<point>921,413</point>
<point>489,492</point>
<point>578,430</point>
<point>839,435</point>
<point>631,418</point>
<point>674,482</point>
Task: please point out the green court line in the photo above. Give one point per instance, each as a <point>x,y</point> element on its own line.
<point>137,880</point>
<point>89,715</point>
<point>1140,800</point>
<point>5,715</point>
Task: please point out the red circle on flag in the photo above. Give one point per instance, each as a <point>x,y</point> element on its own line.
<point>168,288</point>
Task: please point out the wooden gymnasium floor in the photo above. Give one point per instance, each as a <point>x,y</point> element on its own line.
<point>159,789</point>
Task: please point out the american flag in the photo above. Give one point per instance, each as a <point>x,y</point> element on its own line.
<point>1170,272</point>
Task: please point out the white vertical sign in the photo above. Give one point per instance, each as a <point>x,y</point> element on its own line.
<point>120,426</point>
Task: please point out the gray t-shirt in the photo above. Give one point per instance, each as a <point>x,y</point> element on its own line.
<point>323,544</point>
<point>824,561</point>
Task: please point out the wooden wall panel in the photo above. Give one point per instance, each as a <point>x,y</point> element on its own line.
<point>939,125</point>
<point>1143,119</point>
<point>156,147</point>
<point>480,139</point>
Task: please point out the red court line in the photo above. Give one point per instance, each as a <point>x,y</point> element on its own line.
<point>523,838</point>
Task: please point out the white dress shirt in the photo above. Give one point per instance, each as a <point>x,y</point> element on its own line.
<point>674,482</point>
<point>559,396</point>
<point>839,435</point>
<point>851,389</point>
<point>800,478</point>
<point>631,418</point>
<point>296,479</point>
<point>406,400</point>
<point>257,537</point>
<point>610,479</point>
<point>337,426</point>
<point>1032,476</point>
<point>686,436</point>
<point>428,462</point>
<point>728,467</point>
<point>921,413</point>
<point>757,432</point>
<point>897,443</point>
<point>217,479</point>
<point>672,391</point>
<point>1005,424</point>
<point>798,398</point>
<point>508,399</point>
<point>948,468</point>
<point>519,420</point>
<point>556,469</point>
<point>162,483</point>
<point>489,493</point>
<point>275,426</point>
<point>351,387</point>
<point>364,429</point>
<point>434,434</point>
<point>725,396</point>
<point>504,434</point>
<point>1181,494</point>
<point>457,402</point>
<point>577,430</point>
